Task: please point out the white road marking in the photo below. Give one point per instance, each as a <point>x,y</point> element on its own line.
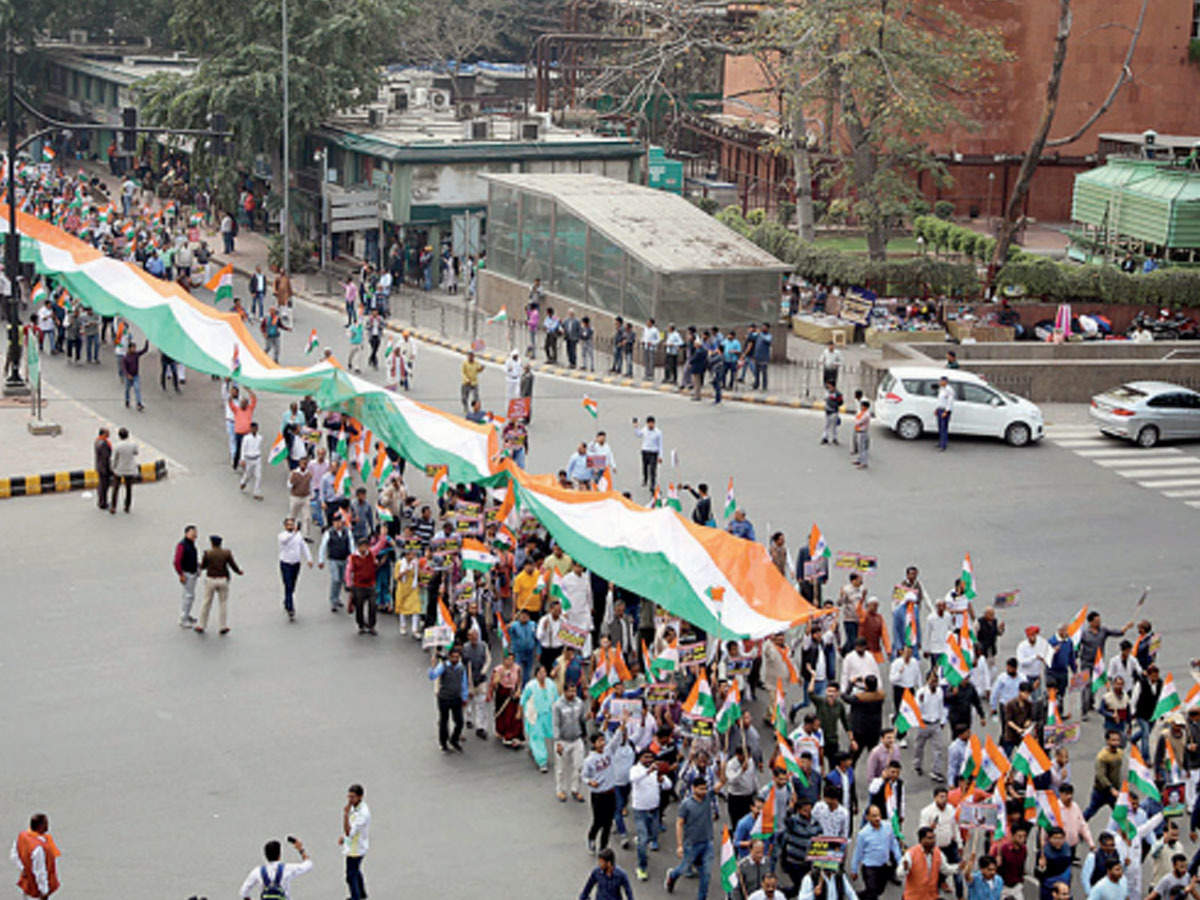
<point>1156,473</point>
<point>1164,461</point>
<point>1072,443</point>
<point>1130,453</point>
<point>1195,492</point>
<point>1171,482</point>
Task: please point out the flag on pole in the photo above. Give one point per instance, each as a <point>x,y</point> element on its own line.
<point>1168,699</point>
<point>1121,814</point>
<point>764,823</point>
<point>440,482</point>
<point>341,481</point>
<point>505,639</point>
<point>908,716</point>
<point>780,716</point>
<point>601,682</point>
<point>382,469</point>
<point>279,450</point>
<point>39,294</point>
<point>788,755</point>
<point>1049,810</point>
<point>1191,698</point>
<point>700,703</point>
<point>384,514</point>
<point>973,761</point>
<point>994,766</point>
<point>501,316</point>
<point>1075,627</point>
<point>730,500</point>
<point>968,577</point>
<point>954,666</point>
<point>729,863</point>
<point>222,283</point>
<point>604,482</point>
<point>313,342</point>
<point>592,407</point>
<point>731,709</point>
<point>48,153</point>
<point>673,499</point>
<point>910,621</point>
<point>119,334</point>
<point>1099,675</point>
<point>549,589</point>
<point>1174,770</point>
<point>1140,774</point>
<point>504,538</point>
<point>1030,758</point>
<point>341,448</point>
<point>1030,802</point>
<point>476,557</point>
<point>817,547</point>
<point>1052,715</point>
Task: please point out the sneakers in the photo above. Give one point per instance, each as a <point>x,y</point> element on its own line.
<point>643,875</point>
<point>669,883</point>
<point>591,846</point>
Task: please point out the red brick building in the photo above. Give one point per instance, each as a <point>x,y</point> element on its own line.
<point>1162,95</point>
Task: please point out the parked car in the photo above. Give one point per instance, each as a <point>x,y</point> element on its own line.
<point>1147,412</point>
<point>907,397</point>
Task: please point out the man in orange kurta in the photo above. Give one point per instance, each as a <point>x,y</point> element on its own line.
<point>36,853</point>
<point>923,866</point>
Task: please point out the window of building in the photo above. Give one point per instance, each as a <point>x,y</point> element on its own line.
<point>1196,18</point>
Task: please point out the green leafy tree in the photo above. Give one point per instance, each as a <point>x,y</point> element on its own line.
<point>336,48</point>
<point>889,73</point>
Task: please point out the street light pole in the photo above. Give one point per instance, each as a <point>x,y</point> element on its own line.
<point>287,207</point>
<point>13,383</point>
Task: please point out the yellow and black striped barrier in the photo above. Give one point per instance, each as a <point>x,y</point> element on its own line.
<point>75,480</point>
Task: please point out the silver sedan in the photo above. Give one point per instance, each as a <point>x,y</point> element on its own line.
<point>1148,411</point>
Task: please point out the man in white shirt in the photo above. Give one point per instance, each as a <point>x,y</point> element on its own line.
<point>857,665</point>
<point>1033,655</point>
<point>937,630</point>
<point>943,819</point>
<point>646,784</point>
<point>945,406</point>
<point>577,587</point>
<point>1124,665</point>
<point>275,873</point>
<point>597,450</point>
<point>933,714</point>
<point>650,339</point>
<point>548,635</point>
<point>355,839</point>
<point>904,673</point>
<point>831,814</point>
<point>292,551</point>
<point>512,376</point>
<point>652,446</point>
<point>252,460</point>
<point>229,396</point>
<point>831,362</point>
<point>673,344</point>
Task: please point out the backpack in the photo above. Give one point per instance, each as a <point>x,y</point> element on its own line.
<point>272,890</point>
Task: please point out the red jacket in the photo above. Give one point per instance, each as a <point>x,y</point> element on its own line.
<point>27,843</point>
<point>361,570</point>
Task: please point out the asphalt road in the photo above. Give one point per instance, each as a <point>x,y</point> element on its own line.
<point>165,759</point>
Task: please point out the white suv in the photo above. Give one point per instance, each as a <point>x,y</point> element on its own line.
<point>907,398</point>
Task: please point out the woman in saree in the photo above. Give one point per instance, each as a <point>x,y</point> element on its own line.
<point>537,709</point>
<point>504,692</point>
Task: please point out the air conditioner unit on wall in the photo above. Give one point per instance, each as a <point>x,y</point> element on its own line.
<point>465,109</point>
<point>439,99</point>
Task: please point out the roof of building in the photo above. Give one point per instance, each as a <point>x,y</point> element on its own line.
<point>121,64</point>
<point>1174,141</point>
<point>664,231</point>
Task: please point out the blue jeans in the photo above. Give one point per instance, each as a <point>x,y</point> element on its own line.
<point>93,348</point>
<point>1100,799</point>
<point>354,879</point>
<point>256,304</point>
<point>718,378</point>
<point>760,374</point>
<point>645,822</point>
<point>851,630</point>
<point>621,791</point>
<point>526,661</point>
<point>943,423</point>
<point>1141,735</point>
<point>135,382</point>
<point>232,438</point>
<point>898,629</point>
<point>700,856</point>
<point>289,572</point>
<point>337,580</point>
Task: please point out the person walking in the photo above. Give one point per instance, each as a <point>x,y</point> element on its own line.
<point>242,408</point>
<point>355,839</point>
<point>187,567</point>
<point>609,881</point>
<point>273,880</point>
<point>258,290</point>
<point>292,551</point>
<point>569,727</point>
<point>762,355</point>
<point>693,837</point>
<point>36,855</point>
<point>252,461</point>
<point>102,452</point>
<point>945,406</point>
<point>272,327</point>
<point>600,776</point>
<point>831,364</point>
<point>300,488</point>
<point>374,336</point>
<point>130,373</point>
<point>512,377</point>
<point>652,447</point>
<point>469,390</point>
<point>452,692</point>
<point>361,570</point>
<point>833,403</point>
<point>124,469</point>
<point>571,330</point>
<point>217,562</point>
<point>335,547</point>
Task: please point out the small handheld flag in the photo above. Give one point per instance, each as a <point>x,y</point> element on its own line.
<point>313,342</point>
<point>817,548</point>
<point>730,500</point>
<point>591,406</point>
<point>476,557</point>
<point>235,365</point>
<point>279,450</point>
<point>501,316</point>
<point>968,578</point>
<point>221,284</point>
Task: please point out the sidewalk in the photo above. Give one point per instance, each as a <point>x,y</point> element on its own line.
<point>449,321</point>
<point>41,464</point>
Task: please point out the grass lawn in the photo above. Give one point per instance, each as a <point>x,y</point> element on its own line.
<point>901,245</point>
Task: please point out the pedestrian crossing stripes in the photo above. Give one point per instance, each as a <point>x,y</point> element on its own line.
<point>1169,470</point>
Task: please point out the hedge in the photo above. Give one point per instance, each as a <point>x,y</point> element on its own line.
<point>1066,282</point>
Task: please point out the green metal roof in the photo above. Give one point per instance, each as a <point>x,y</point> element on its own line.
<point>1143,199</point>
<point>481,151</point>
